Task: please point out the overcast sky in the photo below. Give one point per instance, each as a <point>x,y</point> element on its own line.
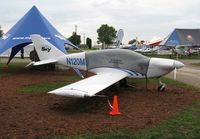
<point>144,19</point>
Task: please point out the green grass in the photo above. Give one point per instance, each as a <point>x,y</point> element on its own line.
<point>13,65</point>
<point>10,66</point>
<point>185,124</point>
<point>173,56</point>
<point>196,64</point>
<point>41,87</point>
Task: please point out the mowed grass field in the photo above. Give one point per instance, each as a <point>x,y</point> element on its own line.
<point>196,64</point>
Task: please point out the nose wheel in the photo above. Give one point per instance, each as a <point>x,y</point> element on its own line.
<point>161,86</point>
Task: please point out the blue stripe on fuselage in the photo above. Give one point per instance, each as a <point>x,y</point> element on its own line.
<point>133,73</point>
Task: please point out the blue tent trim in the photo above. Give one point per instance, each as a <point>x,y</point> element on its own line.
<point>173,39</point>
<point>16,49</point>
<point>33,22</point>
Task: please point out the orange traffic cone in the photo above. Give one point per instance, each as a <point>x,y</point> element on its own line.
<point>115,107</point>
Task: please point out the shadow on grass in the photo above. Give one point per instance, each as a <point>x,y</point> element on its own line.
<point>86,105</point>
<point>78,105</point>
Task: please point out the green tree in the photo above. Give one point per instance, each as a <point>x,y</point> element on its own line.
<point>89,43</point>
<point>106,34</point>
<point>132,41</point>
<point>75,39</point>
<point>1,32</point>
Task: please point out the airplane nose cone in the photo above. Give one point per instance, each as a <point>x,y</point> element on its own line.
<point>178,64</point>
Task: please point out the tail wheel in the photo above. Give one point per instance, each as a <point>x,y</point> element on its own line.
<point>161,87</point>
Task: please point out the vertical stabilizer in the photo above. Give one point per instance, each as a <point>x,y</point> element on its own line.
<point>45,49</point>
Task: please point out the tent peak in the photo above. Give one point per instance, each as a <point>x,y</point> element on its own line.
<point>34,9</point>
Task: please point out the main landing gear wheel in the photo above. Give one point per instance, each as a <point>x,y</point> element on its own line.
<point>123,83</point>
<point>161,86</point>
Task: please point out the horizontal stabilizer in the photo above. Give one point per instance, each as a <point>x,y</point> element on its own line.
<point>43,62</point>
<point>30,64</point>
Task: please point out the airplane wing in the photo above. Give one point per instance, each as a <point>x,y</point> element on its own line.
<point>88,87</point>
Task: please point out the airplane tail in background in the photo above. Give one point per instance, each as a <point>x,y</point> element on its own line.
<point>119,37</point>
<point>45,50</point>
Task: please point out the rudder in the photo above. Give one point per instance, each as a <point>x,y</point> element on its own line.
<point>45,49</point>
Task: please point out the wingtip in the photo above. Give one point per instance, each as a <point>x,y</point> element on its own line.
<point>68,93</point>
<point>53,92</point>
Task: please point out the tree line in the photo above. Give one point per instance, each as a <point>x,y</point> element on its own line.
<point>106,36</point>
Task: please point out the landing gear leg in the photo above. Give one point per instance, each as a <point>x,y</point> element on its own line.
<point>124,83</point>
<point>161,86</point>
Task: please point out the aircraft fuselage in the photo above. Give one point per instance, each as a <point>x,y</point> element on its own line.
<point>135,64</point>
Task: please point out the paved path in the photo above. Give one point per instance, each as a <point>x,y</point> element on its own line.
<point>189,74</point>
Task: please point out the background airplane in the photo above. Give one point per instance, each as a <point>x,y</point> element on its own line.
<point>181,50</point>
<point>118,41</point>
<point>110,66</point>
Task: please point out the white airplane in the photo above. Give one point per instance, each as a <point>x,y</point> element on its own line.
<point>186,50</point>
<point>110,66</point>
<point>146,49</point>
<point>119,37</point>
